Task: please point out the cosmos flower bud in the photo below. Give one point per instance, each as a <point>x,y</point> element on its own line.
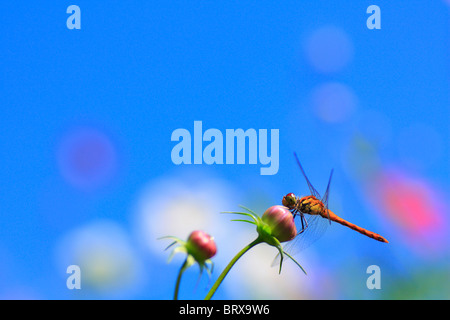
<point>281,223</point>
<point>275,226</point>
<point>201,246</point>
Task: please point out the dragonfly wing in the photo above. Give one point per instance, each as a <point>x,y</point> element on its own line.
<point>313,232</point>
<point>325,196</point>
<point>310,186</point>
<point>310,227</point>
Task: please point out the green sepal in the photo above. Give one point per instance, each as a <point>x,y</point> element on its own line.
<point>298,264</point>
<point>179,249</point>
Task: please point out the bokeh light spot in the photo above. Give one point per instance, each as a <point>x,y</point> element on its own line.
<point>333,102</point>
<point>87,158</point>
<point>329,49</point>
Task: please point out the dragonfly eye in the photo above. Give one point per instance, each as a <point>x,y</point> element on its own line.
<point>289,200</point>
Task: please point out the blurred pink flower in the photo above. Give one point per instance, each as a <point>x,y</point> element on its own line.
<point>413,206</point>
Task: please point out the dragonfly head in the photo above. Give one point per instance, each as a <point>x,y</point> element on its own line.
<point>289,201</point>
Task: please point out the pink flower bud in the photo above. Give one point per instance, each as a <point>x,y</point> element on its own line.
<point>281,222</point>
<point>201,246</point>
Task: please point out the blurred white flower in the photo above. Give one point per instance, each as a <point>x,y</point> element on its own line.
<point>177,206</point>
<point>255,277</point>
<point>104,253</point>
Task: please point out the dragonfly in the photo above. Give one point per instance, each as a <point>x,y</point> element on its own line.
<point>314,215</point>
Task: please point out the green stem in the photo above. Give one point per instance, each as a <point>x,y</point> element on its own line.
<point>180,273</point>
<point>229,266</point>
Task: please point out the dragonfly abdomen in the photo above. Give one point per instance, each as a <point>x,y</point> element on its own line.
<point>352,226</point>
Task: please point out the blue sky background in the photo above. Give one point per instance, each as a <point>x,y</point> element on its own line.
<point>137,71</point>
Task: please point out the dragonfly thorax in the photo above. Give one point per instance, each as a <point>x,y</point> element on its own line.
<point>310,205</point>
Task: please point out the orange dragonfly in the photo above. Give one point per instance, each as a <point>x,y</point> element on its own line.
<point>315,216</point>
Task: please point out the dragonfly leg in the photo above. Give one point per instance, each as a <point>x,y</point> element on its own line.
<point>294,213</point>
<point>304,223</point>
